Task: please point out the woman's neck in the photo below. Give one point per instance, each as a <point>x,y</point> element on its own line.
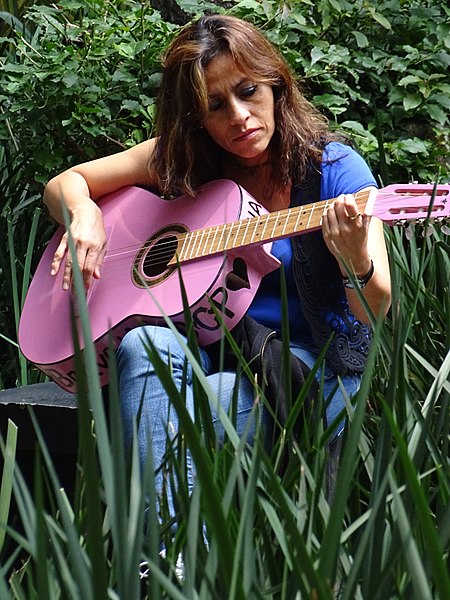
<point>258,180</point>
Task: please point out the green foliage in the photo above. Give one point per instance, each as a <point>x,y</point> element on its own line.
<point>82,84</point>
<point>80,78</point>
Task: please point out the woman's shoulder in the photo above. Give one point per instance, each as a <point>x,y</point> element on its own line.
<point>335,151</point>
<point>344,171</point>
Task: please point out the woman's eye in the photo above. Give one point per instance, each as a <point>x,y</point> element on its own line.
<point>249,91</point>
<point>215,105</point>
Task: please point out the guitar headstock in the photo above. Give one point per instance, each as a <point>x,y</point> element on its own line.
<point>399,204</point>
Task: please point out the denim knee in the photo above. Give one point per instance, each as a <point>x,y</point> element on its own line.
<point>135,342</point>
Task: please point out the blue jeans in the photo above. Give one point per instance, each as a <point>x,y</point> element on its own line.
<point>139,386</point>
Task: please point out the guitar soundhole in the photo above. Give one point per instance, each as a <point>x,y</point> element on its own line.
<point>156,261</point>
<point>159,255</point>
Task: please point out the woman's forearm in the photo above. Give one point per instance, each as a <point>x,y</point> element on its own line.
<point>69,189</point>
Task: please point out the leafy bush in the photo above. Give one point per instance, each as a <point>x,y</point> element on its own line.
<point>82,78</point>
<point>82,84</point>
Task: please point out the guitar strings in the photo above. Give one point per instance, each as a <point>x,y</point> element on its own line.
<point>166,249</point>
<point>167,252</point>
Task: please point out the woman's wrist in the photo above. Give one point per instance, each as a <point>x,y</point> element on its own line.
<point>361,280</point>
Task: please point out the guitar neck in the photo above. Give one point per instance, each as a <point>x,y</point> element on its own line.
<point>268,227</point>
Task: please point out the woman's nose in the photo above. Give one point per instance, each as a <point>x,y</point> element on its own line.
<point>238,112</point>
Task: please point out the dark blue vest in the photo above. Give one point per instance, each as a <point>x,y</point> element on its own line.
<point>319,284</point>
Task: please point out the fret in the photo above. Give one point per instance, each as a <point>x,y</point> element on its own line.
<point>286,223</point>
<point>220,246</point>
<point>274,228</point>
<point>237,237</point>
<point>257,223</point>
<point>199,244</point>
<point>214,244</point>
<point>244,237</point>
<point>318,213</point>
<point>326,204</point>
<point>299,225</point>
<point>311,211</point>
<point>193,244</point>
<point>230,230</point>
<point>206,248</point>
<point>186,245</point>
<point>263,232</point>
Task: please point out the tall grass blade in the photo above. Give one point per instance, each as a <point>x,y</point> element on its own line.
<point>435,554</point>
<point>9,455</point>
<point>420,588</point>
<point>331,540</point>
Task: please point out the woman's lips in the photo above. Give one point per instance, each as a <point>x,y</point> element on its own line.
<point>245,135</point>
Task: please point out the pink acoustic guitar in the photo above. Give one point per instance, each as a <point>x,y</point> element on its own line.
<point>222,242</point>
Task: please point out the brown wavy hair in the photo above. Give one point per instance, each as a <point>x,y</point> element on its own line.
<point>186,156</point>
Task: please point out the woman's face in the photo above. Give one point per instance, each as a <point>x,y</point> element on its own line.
<point>241,117</point>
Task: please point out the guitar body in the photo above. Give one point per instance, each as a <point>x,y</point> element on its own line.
<point>135,288</point>
<point>217,245</point>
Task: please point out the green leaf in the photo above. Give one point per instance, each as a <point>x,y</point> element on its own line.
<point>353,125</point>
<point>413,146</point>
<point>328,100</point>
<point>123,75</point>
<point>437,114</point>
<point>408,80</point>
<point>316,55</point>
<point>441,99</point>
<point>126,50</point>
<point>336,5</point>
<point>412,101</point>
<point>381,20</point>
<point>361,39</point>
<point>70,78</point>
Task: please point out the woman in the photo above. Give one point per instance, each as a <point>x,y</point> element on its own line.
<point>230,108</point>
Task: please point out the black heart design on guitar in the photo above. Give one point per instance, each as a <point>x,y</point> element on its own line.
<point>219,242</point>
<point>237,279</point>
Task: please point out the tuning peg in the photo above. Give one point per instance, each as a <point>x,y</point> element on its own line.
<point>428,231</point>
<point>409,230</point>
<point>401,223</point>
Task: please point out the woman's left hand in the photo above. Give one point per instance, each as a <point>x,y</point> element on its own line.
<point>357,242</point>
<point>346,233</point>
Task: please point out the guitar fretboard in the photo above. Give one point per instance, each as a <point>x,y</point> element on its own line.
<point>255,230</point>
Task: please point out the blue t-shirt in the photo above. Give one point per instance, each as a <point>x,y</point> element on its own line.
<point>344,171</point>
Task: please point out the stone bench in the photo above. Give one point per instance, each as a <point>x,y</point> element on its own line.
<point>55,411</point>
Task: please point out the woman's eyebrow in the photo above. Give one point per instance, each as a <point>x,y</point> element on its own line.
<point>235,87</point>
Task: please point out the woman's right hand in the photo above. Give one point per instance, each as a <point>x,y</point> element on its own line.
<point>78,189</point>
<point>89,237</point>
